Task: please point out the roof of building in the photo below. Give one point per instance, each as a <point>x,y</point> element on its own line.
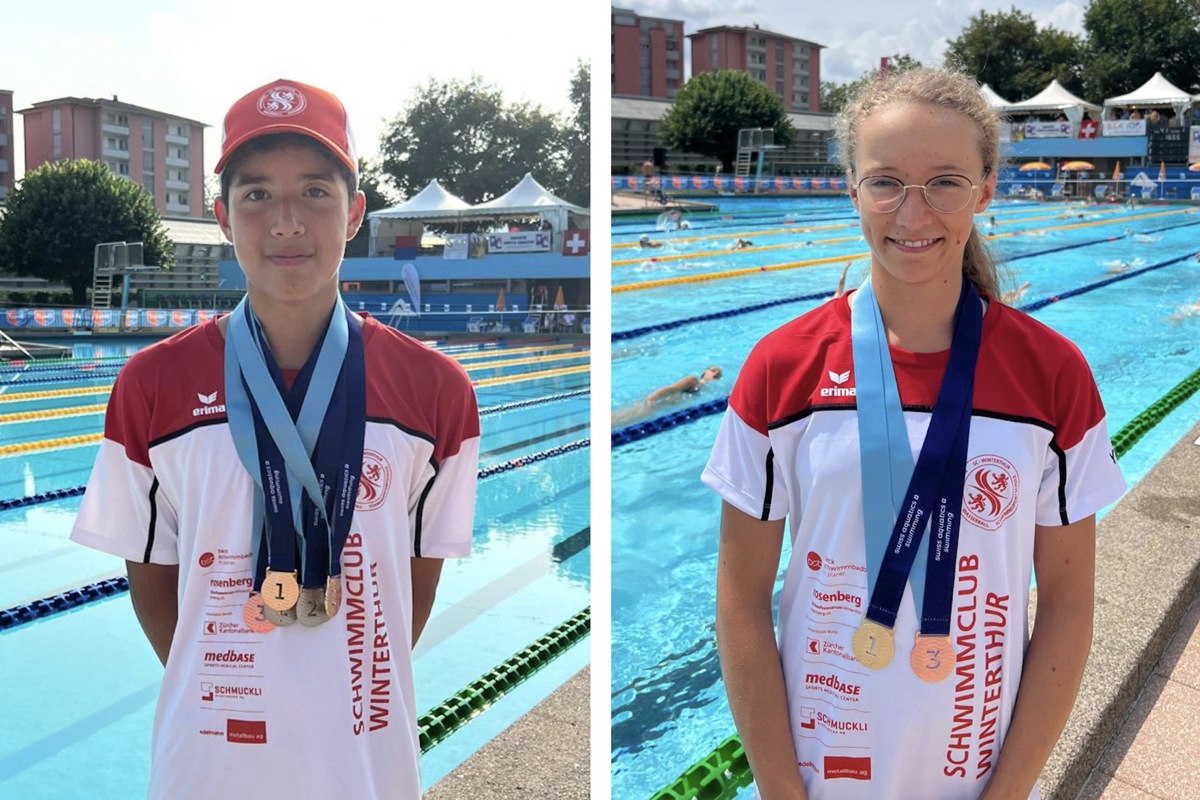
<point>194,231</point>
<point>104,102</point>
<point>653,109</point>
<point>753,29</point>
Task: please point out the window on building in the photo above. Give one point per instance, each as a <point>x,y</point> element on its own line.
<point>122,119</point>
<point>181,198</point>
<point>147,135</point>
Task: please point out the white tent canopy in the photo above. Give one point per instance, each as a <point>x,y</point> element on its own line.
<point>1054,98</point>
<point>1158,91</point>
<point>530,197</point>
<point>432,202</point>
<point>996,101</point>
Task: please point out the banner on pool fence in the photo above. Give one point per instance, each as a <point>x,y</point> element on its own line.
<point>63,319</point>
<point>709,183</point>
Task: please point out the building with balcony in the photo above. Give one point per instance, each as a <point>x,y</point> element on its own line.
<point>161,152</point>
<point>647,55</point>
<point>7,168</point>
<point>788,66</point>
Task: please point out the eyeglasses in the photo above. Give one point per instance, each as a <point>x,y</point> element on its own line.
<point>947,194</point>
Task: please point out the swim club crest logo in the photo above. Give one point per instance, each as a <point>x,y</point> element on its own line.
<point>281,101</point>
<point>992,489</point>
<point>374,483</point>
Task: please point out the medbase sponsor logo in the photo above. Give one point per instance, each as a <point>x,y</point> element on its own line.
<point>229,659</point>
<point>830,683</point>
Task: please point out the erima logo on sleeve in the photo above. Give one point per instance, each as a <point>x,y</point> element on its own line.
<point>207,406</point>
<point>838,390</point>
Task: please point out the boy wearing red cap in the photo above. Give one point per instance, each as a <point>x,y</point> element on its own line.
<point>285,500</point>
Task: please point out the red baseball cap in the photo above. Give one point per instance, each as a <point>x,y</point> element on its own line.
<point>284,106</point>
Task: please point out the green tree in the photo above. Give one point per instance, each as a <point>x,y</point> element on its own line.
<point>474,142</point>
<point>834,97</point>
<point>577,140</point>
<point>1007,51</point>
<point>1129,40</point>
<point>712,107</point>
<point>60,212</point>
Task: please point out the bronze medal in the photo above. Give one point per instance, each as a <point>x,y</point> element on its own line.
<point>873,644</point>
<point>333,595</point>
<point>932,658</point>
<point>252,614</point>
<point>280,590</point>
<point>310,609</point>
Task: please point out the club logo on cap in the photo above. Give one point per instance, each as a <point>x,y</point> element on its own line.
<point>281,101</point>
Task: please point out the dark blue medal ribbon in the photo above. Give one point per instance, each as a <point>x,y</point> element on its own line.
<point>940,467</point>
<point>276,432</point>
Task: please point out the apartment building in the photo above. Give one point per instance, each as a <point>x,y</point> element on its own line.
<point>162,152</point>
<point>7,167</point>
<point>647,55</point>
<point>789,66</point>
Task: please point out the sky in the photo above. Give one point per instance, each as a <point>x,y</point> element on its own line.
<point>194,58</point>
<point>857,33</point>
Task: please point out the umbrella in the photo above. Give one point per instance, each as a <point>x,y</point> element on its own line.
<point>1029,166</point>
<point>500,301</point>
<point>1117,172</point>
<point>559,302</point>
<point>1078,165</point>
<point>1162,172</point>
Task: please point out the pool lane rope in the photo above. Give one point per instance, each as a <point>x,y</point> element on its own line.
<point>536,401</point>
<point>725,771</point>
<point>451,714</point>
<point>733,312</point>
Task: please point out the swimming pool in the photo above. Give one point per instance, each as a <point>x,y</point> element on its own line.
<point>80,687</point>
<point>668,704</point>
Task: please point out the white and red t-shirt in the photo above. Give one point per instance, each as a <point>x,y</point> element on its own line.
<point>1039,455</point>
<point>298,712</point>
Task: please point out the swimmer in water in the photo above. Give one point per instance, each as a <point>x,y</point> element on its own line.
<point>1010,297</point>
<point>645,241</point>
<point>1117,269</point>
<point>742,244</point>
<point>1187,311</point>
<point>666,396</point>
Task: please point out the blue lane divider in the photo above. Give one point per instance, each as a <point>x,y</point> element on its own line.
<point>41,497</point>
<point>534,402</point>
<point>65,601</point>
<point>641,430</point>
<point>13,381</point>
<point>1038,304</point>
<point>733,312</point>
<point>73,598</point>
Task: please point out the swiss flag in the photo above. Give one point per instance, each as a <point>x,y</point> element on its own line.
<point>1088,128</point>
<point>575,242</point>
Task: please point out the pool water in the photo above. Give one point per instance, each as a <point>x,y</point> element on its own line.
<point>668,704</point>
<point>80,687</point>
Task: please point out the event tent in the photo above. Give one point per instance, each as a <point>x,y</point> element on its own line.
<point>1054,98</point>
<point>530,197</point>
<point>1158,91</point>
<point>997,102</point>
<point>431,203</point>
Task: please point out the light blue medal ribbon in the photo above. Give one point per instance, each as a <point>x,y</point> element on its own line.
<point>258,401</point>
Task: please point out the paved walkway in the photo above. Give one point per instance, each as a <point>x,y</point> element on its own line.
<point>1135,730</point>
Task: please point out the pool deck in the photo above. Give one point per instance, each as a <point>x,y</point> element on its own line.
<point>544,754</point>
<point>1135,730</point>
<point>628,203</point>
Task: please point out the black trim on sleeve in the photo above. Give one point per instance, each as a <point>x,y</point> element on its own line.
<point>1062,483</point>
<point>770,487</point>
<point>153,498</point>
<point>421,509</point>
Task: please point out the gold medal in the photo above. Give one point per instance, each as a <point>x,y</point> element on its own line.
<point>280,619</point>
<point>280,590</point>
<point>310,609</point>
<point>333,595</point>
<point>873,644</point>
<point>932,658</point>
<point>252,614</point>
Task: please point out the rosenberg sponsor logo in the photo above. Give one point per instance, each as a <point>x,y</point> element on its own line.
<point>837,597</point>
<point>228,657</point>
<point>207,406</point>
<point>838,390</point>
<point>231,583</point>
<point>246,731</point>
<point>833,683</point>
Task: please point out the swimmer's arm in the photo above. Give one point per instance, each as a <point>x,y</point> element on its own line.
<point>688,384</point>
<point>426,572</point>
<point>154,592</point>
<point>746,568</point>
<point>1064,561</point>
